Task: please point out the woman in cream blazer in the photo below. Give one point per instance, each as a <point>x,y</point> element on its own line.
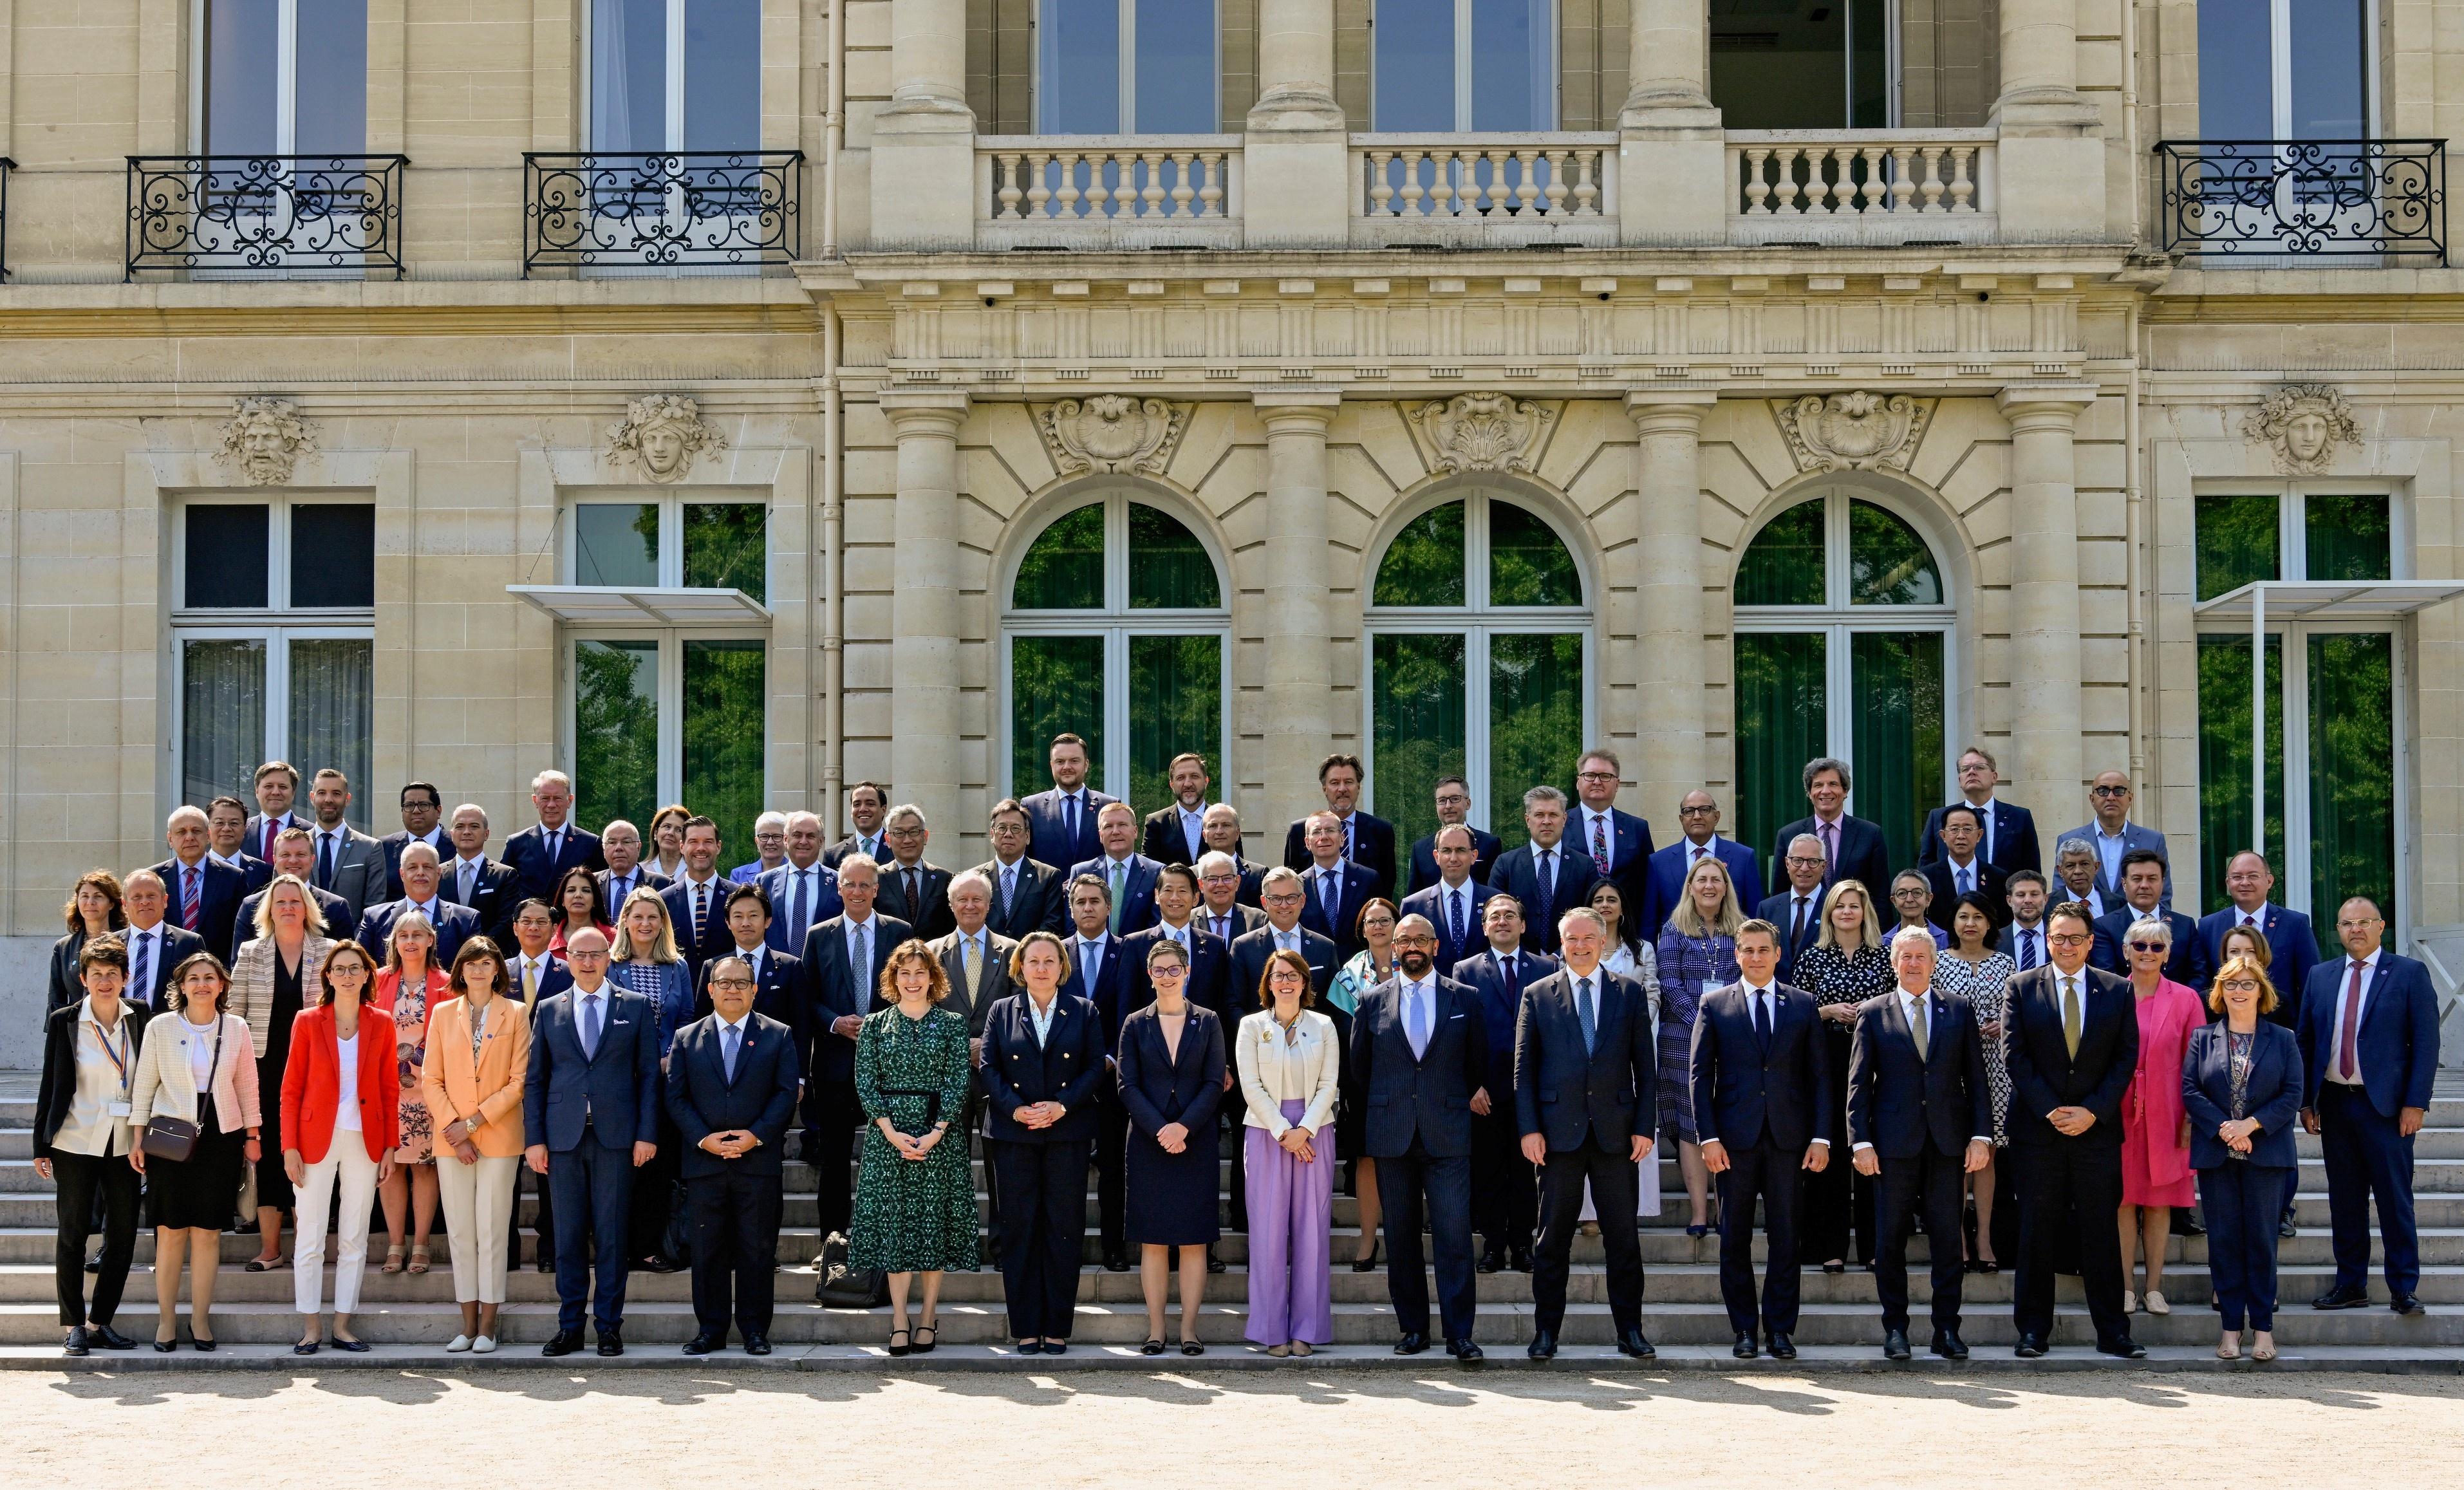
<point>478,1056</point>
<point>194,1046</point>
<point>1290,1065</point>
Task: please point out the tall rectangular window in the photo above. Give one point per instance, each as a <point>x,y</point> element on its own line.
<point>286,77</point>
<point>1783,721</point>
<point>669,74</point>
<point>1442,66</point>
<point>273,617</point>
<point>1127,67</point>
<point>2285,69</point>
<point>1804,64</point>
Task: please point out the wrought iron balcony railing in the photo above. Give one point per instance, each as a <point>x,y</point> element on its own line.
<point>677,208</point>
<point>2303,198</point>
<point>265,214</point>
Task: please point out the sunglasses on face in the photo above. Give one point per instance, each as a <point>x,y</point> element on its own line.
<point>2148,946</point>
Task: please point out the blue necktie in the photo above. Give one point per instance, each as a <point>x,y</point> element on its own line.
<point>728,1036</point>
<point>1454,918</point>
<point>1547,882</point>
<point>1415,1020</point>
<point>2026,949</point>
<point>591,1026</point>
<point>1762,1019</point>
<point>1069,808</point>
<point>863,960</point>
<point>325,863</point>
<point>1585,1014</point>
<point>799,912</point>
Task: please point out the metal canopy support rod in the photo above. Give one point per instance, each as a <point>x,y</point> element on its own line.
<point>2258,720</point>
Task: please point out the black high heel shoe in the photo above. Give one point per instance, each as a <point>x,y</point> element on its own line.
<point>895,1349</point>
<point>923,1346</point>
<point>1367,1265</point>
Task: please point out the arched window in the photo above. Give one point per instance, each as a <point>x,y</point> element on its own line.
<point>1842,625</point>
<point>1479,631</point>
<point>1115,630</point>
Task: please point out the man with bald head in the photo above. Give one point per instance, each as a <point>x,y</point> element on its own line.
<point>803,891</point>
<point>476,881</point>
<point>204,893</point>
<point>619,842</point>
<point>1663,879</point>
<point>422,882</point>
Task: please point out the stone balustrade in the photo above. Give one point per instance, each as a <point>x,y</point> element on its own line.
<point>1126,192</point>
<point>1484,188</point>
<point>1861,187</point>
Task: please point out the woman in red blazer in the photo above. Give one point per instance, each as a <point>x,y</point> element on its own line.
<point>341,1096</point>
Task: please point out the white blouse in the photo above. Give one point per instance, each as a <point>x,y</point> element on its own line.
<point>1304,1064</point>
<point>346,1093</point>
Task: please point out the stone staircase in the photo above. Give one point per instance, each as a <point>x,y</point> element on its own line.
<point>415,1316</point>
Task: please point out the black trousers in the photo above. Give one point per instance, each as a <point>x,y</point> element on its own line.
<point>735,1219</point>
<point>2069,1191</point>
<point>1505,1189</point>
<point>1612,1177</point>
<point>830,1148</point>
<point>1839,1204</point>
<point>654,1195</point>
<point>85,1182</point>
<point>1239,1150</point>
<point>1934,1181</point>
<point>1417,1188</point>
<point>1777,1176</point>
<point>1043,1230</point>
<point>1112,1168</point>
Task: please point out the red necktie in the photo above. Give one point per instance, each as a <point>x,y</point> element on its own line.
<point>2352,1022</point>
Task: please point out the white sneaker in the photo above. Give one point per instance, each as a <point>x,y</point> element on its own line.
<point>485,1344</point>
<point>2156,1303</point>
<point>458,1345</point>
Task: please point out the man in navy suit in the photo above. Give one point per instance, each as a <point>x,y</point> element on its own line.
<point>541,853</point>
<point>803,891</point>
<point>1220,886</point>
<point>867,802</point>
<point>1921,1117</point>
<point>912,889</point>
<point>620,844</point>
<point>205,894</point>
<point>1505,1189</point>
<point>2071,1035</point>
<point>731,1092</point>
<point>1454,810</point>
<point>2142,882</point>
<point>590,1117</point>
<point>1367,842</point>
<point>1096,974</point>
<point>1549,875</point>
<point>1453,901</point>
<point>1617,843</point>
<point>1224,837</point>
<point>420,879</point>
<point>1128,877</point>
<point>534,973</point>
<point>1337,887</point>
<point>2292,942</point>
<point>1209,959</point>
<point>837,982</point>
<point>1664,879</point>
<point>1586,1098</point>
<point>1797,910</point>
<point>1763,1108</point>
<point>2009,833</point>
<point>156,945</point>
<point>1962,867</point>
<point>2369,1053</point>
<point>277,788</point>
<point>1853,847</point>
<point>2113,836</point>
<point>696,900</point>
<point>2023,940</point>
<point>422,807</point>
<point>227,838</point>
<point>1175,833</point>
<point>1028,895</point>
<point>1419,1044</point>
<point>297,858</point>
<point>1062,821</point>
<point>485,888</point>
<point>774,972</point>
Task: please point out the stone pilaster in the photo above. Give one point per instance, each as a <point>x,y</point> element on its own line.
<point>924,607</point>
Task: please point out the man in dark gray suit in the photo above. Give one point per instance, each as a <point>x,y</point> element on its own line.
<point>349,862</point>
<point>1418,1044</point>
<point>590,1117</point>
<point>1585,1099</point>
<point>1028,894</point>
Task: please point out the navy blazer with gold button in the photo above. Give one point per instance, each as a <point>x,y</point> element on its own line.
<point>1064,1067</point>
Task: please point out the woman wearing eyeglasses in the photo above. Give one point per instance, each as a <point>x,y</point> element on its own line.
<point>2155,1130</point>
<point>2241,1086</point>
<point>1289,1068</point>
<point>1172,1082</point>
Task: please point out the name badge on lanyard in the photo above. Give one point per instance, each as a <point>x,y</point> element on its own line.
<point>119,1107</point>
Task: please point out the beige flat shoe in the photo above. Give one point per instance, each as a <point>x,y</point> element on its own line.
<point>2155,1302</point>
<point>1302,1347</point>
<point>2264,1349</point>
<point>2229,1349</point>
<point>1279,1351</point>
<point>2129,1302</point>
<point>392,1261</point>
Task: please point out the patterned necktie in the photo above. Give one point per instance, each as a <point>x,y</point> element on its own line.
<point>189,898</point>
<point>1830,848</point>
<point>799,911</point>
<point>863,962</point>
<point>2351,1025</point>
<point>140,967</point>
<point>1584,1013</point>
<point>1009,888</point>
<point>1351,848</point>
<point>973,963</point>
<point>1327,885</point>
<point>2027,949</point>
<point>1547,883</point>
<point>591,1026</point>
<point>1454,918</point>
<point>702,909</point>
<point>1920,1026</point>
<point>914,895</point>
<point>1600,844</point>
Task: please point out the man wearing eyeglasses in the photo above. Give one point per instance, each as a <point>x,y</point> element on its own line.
<point>729,1089</point>
<point>1664,883</point>
<point>2072,1048</point>
<point>1797,910</point>
<point>2113,835</point>
<point>2008,834</point>
<point>2142,883</point>
<point>1368,841</point>
<point>1618,842</point>
<point>1454,810</point>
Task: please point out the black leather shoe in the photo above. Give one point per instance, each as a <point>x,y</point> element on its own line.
<point>166,1346</point>
<point>108,1338</point>
<point>1464,1352</point>
<point>1782,1348</point>
<point>1411,1344</point>
<point>703,1345</point>
<point>2408,1304</point>
<point>2186,1222</point>
<point>2029,1347</point>
<point>1745,1349</point>
<point>1947,1345</point>
<point>1632,1341</point>
<point>2285,1228</point>
<point>1895,1344</point>
<point>2126,1347</point>
<point>94,1264</point>
<point>1542,1345</point>
<point>565,1342</point>
<point>75,1342</point>
<point>659,1262</point>
<point>545,1266</point>
<point>1056,1347</point>
<point>351,1347</point>
<point>2343,1299</point>
<point>611,1342</point>
<point>1520,1260</point>
<point>1214,1263</point>
<point>757,1345</point>
<point>1491,1261</point>
<point>1116,1261</point>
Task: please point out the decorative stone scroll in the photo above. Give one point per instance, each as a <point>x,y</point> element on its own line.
<point>2303,423</point>
<point>660,435</point>
<point>1112,432</point>
<point>264,439</point>
<point>1483,431</point>
<point>1854,430</point>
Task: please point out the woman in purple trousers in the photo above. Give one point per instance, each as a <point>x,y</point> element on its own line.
<point>1289,1064</point>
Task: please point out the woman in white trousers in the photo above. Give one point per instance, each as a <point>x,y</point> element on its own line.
<point>341,1097</point>
<point>478,1056</point>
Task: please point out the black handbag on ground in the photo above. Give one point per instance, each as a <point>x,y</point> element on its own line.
<point>176,1138</point>
<point>840,1286</point>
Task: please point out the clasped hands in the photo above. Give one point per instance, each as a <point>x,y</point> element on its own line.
<point>733,1144</point>
<point>911,1145</point>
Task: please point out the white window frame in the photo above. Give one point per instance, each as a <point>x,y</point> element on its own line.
<point>2294,876</point>
<point>278,624</point>
<point>1115,622</point>
<point>2279,48</point>
<point>672,505</point>
<point>286,71</point>
<point>673,104</point>
<point>1838,621</point>
<point>1462,74</point>
<point>1476,621</point>
<point>668,694</point>
<point>1127,65</point>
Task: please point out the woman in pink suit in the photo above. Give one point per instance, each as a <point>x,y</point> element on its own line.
<point>2155,1131</point>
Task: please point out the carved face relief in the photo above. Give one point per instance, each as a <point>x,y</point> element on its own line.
<point>2303,423</point>
<point>1112,432</point>
<point>663,451</point>
<point>2306,436</point>
<point>661,434</point>
<point>1854,431</point>
<point>264,439</point>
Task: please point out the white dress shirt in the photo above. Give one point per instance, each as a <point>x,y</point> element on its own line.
<point>1193,832</point>
<point>2335,1071</point>
<point>1985,833</point>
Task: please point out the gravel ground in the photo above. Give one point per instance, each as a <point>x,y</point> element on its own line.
<point>531,1430</point>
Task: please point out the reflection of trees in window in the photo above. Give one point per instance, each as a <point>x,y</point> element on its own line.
<point>727,547</point>
<point>2352,774</point>
<point>615,731</point>
<point>725,741</point>
<point>1535,717</point>
<point>1064,568</point>
<point>1424,564</point>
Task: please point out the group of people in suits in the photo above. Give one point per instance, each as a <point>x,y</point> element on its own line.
<point>1487,1028</point>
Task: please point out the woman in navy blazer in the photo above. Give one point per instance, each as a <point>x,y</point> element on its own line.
<point>1172,1082</point>
<point>1038,1136</point>
<point>2241,1085</point>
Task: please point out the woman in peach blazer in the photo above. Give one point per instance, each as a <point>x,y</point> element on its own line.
<point>478,1054</point>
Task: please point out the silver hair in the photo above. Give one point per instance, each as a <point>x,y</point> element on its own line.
<point>767,819</point>
<point>970,879</point>
<point>1822,764</point>
<point>1277,876</point>
<point>1214,860</point>
<point>907,810</point>
<point>420,846</point>
<point>860,862</point>
<point>1600,923</point>
<point>545,777</point>
<point>2153,928</point>
<point>1913,933</point>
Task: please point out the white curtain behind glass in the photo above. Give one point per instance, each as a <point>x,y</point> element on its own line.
<point>332,689</point>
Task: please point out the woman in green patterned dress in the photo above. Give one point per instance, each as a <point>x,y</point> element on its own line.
<point>915,1198</point>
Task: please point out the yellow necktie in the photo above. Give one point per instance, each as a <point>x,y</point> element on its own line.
<point>530,985</point>
<point>2071,1016</point>
<point>975,969</point>
<point>1917,1027</point>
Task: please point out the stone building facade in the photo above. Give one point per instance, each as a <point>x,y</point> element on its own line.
<point>919,406</point>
